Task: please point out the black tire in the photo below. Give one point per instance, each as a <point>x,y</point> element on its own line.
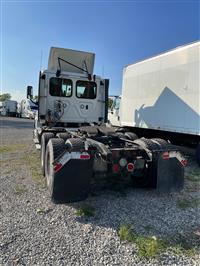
<point>63,135</point>
<point>120,129</point>
<point>131,135</point>
<point>55,147</point>
<point>44,140</point>
<point>148,144</point>
<point>75,144</point>
<point>164,145</point>
<point>120,135</point>
<point>198,154</point>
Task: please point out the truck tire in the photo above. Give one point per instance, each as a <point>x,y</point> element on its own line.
<point>163,143</point>
<point>120,129</point>
<point>44,140</point>
<point>131,136</point>
<point>198,154</point>
<point>54,148</point>
<point>63,135</point>
<point>75,144</point>
<point>120,135</point>
<point>147,144</point>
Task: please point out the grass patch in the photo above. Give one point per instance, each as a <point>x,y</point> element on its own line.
<point>11,166</point>
<point>33,161</point>
<point>180,249</point>
<point>20,191</point>
<point>193,177</point>
<point>85,211</point>
<point>126,234</point>
<point>12,148</point>
<point>185,203</point>
<point>150,246</point>
<point>28,159</point>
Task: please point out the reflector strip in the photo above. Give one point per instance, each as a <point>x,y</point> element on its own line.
<point>85,156</point>
<point>165,156</point>
<point>115,168</point>
<point>57,167</point>
<point>184,162</point>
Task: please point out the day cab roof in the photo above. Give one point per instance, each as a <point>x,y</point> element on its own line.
<point>68,59</point>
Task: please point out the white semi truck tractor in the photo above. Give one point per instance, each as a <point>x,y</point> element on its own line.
<point>161,97</point>
<point>28,109</point>
<point>76,144</point>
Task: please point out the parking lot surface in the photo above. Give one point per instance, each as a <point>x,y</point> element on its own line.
<point>34,231</point>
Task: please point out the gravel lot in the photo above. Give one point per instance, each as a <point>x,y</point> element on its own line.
<point>34,231</point>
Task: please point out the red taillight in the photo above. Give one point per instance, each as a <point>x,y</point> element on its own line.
<point>85,156</point>
<point>115,153</point>
<point>130,167</point>
<point>115,168</point>
<point>165,156</point>
<point>57,167</point>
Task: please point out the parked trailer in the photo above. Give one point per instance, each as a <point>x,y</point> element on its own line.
<point>75,142</point>
<point>161,96</point>
<point>8,108</point>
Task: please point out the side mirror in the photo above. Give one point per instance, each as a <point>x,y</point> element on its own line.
<point>58,72</point>
<point>29,92</point>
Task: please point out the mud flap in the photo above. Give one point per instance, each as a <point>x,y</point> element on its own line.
<point>72,181</point>
<point>170,174</point>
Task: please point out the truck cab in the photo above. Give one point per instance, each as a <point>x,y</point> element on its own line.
<point>69,93</point>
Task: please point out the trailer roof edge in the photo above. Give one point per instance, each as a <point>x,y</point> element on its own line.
<point>184,46</point>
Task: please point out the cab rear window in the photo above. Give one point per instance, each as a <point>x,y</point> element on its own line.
<point>60,87</point>
<point>86,89</point>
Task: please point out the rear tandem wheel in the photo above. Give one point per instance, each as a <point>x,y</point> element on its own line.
<point>44,141</point>
<point>55,147</point>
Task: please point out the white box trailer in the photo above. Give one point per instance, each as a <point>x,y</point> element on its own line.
<point>9,108</point>
<point>162,93</point>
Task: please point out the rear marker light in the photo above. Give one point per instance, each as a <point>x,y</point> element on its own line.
<point>184,162</point>
<point>57,167</point>
<point>115,168</point>
<point>130,167</point>
<point>123,162</point>
<point>165,156</point>
<point>85,156</point>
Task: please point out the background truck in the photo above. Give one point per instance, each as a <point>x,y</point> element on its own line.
<point>77,147</point>
<point>161,97</point>
<point>28,109</point>
<point>9,108</point>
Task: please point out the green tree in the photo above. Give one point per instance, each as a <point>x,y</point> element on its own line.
<point>110,102</point>
<point>5,96</point>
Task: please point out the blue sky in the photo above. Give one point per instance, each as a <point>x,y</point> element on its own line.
<point>119,32</point>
